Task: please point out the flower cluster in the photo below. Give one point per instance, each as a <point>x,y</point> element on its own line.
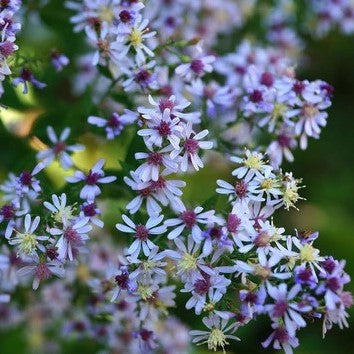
<point>8,29</point>
<point>171,103</point>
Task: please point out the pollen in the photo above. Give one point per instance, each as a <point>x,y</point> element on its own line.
<point>27,243</point>
<point>217,340</point>
<point>63,214</point>
<point>188,262</point>
<point>136,37</point>
<point>308,253</point>
<point>253,162</point>
<point>145,292</point>
<point>267,184</point>
<point>291,196</point>
<point>279,110</point>
<point>106,14</point>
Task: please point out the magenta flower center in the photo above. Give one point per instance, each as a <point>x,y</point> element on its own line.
<point>89,209</point>
<point>201,286</point>
<point>145,334</point>
<point>165,103</point>
<point>256,96</point>
<point>59,147</point>
<point>159,184</point>
<point>26,178</point>
<point>7,48</point>
<point>92,178</point>
<point>7,211</point>
<point>26,74</point>
<point>281,335</point>
<point>164,129</point>
<point>145,192</point>
<point>155,159</point>
<point>197,66</point>
<point>241,189</point>
<point>122,280</point>
<point>125,16</point>
<point>142,233</point>
<point>42,271</point>
<point>191,146</point>
<point>232,223</point>
<point>114,122</point>
<point>189,218</point>
<point>333,284</point>
<point>71,235</point>
<point>267,79</point>
<point>143,76</point>
<point>280,307</point>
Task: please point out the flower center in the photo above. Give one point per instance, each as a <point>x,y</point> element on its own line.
<point>89,209</point>
<point>6,48</point>
<point>59,147</point>
<point>191,146</point>
<point>241,189</point>
<point>284,140</point>
<point>189,218</point>
<point>7,211</point>
<point>280,307</point>
<point>267,79</point>
<point>309,111</point>
<point>136,37</point>
<point>254,162</point>
<point>281,335</point>
<point>308,253</point>
<point>197,66</point>
<point>232,223</point>
<point>165,103</point>
<point>256,96</point>
<point>92,178</point>
<point>28,243</point>
<point>26,178</point>
<point>114,122</point>
<point>188,262</point>
<point>262,239</point>
<point>122,280</point>
<point>217,339</point>
<point>164,129</point>
<point>201,286</point>
<point>125,16</point>
<point>71,235</point>
<point>42,271</point>
<point>143,76</point>
<point>155,159</point>
<point>142,232</point>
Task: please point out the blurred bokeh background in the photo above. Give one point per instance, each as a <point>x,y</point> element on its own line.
<point>327,166</point>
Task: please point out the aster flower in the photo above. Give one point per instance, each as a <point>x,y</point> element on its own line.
<point>26,76</point>
<point>124,282</point>
<point>115,125</point>
<point>90,210</point>
<point>252,165</point>
<point>27,242</point>
<point>281,339</point>
<point>72,236</point>
<point>94,176</point>
<point>189,219</point>
<point>219,331</point>
<point>9,213</point>
<point>142,233</point>
<point>199,66</point>
<point>61,212</point>
<point>42,270</point>
<point>191,147</point>
<point>59,60</point>
<point>162,127</point>
<point>150,170</point>
<point>135,37</point>
<point>59,150</point>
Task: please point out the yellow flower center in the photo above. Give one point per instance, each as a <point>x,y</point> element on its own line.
<point>63,214</point>
<point>308,253</point>
<point>290,196</point>
<point>145,292</point>
<point>136,37</point>
<point>279,110</point>
<point>106,14</point>
<point>254,162</point>
<point>209,307</point>
<point>27,243</point>
<point>187,263</point>
<point>267,184</point>
<point>217,339</point>
<point>309,110</point>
